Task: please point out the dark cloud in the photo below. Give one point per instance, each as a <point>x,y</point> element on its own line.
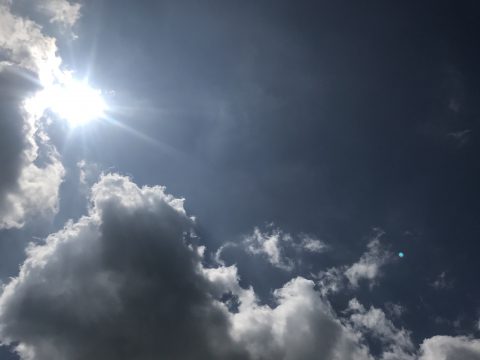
<point>14,88</point>
<point>119,284</point>
<point>31,172</point>
<point>127,281</point>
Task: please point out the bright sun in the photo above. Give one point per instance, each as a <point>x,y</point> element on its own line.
<point>76,102</point>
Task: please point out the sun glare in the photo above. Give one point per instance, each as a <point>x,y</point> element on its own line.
<point>76,102</point>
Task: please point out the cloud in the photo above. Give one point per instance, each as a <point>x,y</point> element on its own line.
<point>23,44</point>
<point>396,343</point>
<point>368,267</point>
<point>121,283</point>
<point>461,137</point>
<point>442,282</point>
<point>31,171</point>
<point>127,281</point>
<point>301,326</point>
<point>270,245</point>
<point>450,348</point>
<point>28,186</point>
<point>60,11</point>
<point>280,249</point>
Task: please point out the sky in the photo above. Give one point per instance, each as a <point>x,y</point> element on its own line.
<point>245,180</point>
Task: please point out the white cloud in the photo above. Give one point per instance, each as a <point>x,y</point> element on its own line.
<point>368,267</point>
<point>270,244</point>
<point>331,281</point>
<point>300,326</point>
<point>396,343</point>
<point>127,281</point>
<point>312,244</point>
<point>24,44</point>
<point>450,348</point>
<point>279,248</point>
<point>31,167</point>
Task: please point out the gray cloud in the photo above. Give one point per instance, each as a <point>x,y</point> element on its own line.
<point>31,170</point>
<point>396,343</point>
<point>121,283</point>
<point>28,186</point>
<point>127,281</point>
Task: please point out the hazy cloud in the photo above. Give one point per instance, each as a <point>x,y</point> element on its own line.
<point>460,137</point>
<point>60,11</point>
<point>442,282</point>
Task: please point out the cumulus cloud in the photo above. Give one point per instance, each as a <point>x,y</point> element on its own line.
<point>127,281</point>
<point>450,348</point>
<point>302,325</point>
<point>31,170</point>
<point>396,343</point>
<point>280,249</point>
<point>121,283</point>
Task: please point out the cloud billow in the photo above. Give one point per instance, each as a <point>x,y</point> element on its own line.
<point>127,281</point>
<point>121,283</point>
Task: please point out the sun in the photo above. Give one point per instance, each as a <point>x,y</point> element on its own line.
<point>75,101</point>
